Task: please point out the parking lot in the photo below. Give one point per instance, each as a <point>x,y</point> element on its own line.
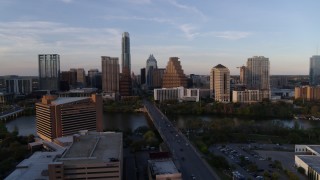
<point>253,160</point>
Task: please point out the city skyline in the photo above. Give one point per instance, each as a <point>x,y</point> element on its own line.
<point>201,34</point>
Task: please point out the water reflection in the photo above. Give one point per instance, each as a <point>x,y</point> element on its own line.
<point>111,121</point>
<point>183,121</point>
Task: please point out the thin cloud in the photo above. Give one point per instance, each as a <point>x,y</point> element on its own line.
<point>230,35</point>
<point>140,1</point>
<point>188,30</point>
<point>137,18</point>
<point>189,9</point>
<point>67,1</point>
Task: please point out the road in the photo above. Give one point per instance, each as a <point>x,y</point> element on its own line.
<point>186,157</point>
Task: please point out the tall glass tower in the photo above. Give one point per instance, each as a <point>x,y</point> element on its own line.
<point>49,71</point>
<point>126,57</point>
<point>314,71</point>
<point>125,84</point>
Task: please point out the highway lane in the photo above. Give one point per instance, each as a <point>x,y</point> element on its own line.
<point>188,160</point>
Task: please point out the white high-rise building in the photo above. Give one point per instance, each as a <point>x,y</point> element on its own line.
<point>220,83</point>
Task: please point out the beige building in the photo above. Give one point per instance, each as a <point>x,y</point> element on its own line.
<point>110,74</point>
<point>59,116</point>
<point>174,75</point>
<point>90,156</point>
<point>308,93</point>
<point>220,83</point>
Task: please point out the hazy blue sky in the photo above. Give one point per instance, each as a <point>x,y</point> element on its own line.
<point>202,33</point>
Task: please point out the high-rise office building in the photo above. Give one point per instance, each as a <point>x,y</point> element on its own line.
<point>18,85</point>
<point>143,75</point>
<point>81,78</point>
<point>243,76</point>
<point>49,71</point>
<point>59,117</point>
<point>220,83</point>
<point>314,71</point>
<point>257,73</point>
<point>110,74</point>
<point>151,65</point>
<point>125,84</point>
<point>92,78</point>
<point>173,75</point>
<point>157,77</point>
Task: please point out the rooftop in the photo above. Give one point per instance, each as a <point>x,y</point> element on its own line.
<point>36,166</point>
<point>219,66</point>
<point>94,147</point>
<point>315,148</point>
<point>65,100</point>
<point>163,166</point>
<point>312,161</point>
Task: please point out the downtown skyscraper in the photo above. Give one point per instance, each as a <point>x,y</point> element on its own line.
<point>314,71</point>
<point>49,71</point>
<point>125,84</point>
<point>110,74</point>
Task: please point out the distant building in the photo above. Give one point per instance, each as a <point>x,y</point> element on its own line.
<point>173,75</point>
<point>249,96</point>
<point>81,78</point>
<point>308,158</point>
<point>143,76</point>
<point>6,98</point>
<point>157,77</point>
<point>110,74</point>
<point>49,71</point>
<point>308,93</point>
<point>220,83</point>
<point>125,82</point>
<point>181,94</point>
<point>243,75</point>
<point>279,82</point>
<point>58,117</point>
<point>314,71</point>
<point>92,78</point>
<point>151,65</point>
<point>18,85</point>
<point>258,73</point>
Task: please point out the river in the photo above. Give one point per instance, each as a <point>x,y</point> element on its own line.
<point>132,121</point>
<point>111,122</point>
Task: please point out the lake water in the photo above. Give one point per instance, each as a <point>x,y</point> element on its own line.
<point>182,121</point>
<point>132,121</point>
<point>113,121</point>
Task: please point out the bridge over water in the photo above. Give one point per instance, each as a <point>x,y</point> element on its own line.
<point>186,157</point>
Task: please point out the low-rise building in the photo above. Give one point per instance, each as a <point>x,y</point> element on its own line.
<point>86,155</point>
<point>308,157</point>
<point>181,94</point>
<point>250,96</point>
<point>163,169</point>
<point>308,93</point>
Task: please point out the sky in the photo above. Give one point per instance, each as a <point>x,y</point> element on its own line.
<point>202,33</point>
